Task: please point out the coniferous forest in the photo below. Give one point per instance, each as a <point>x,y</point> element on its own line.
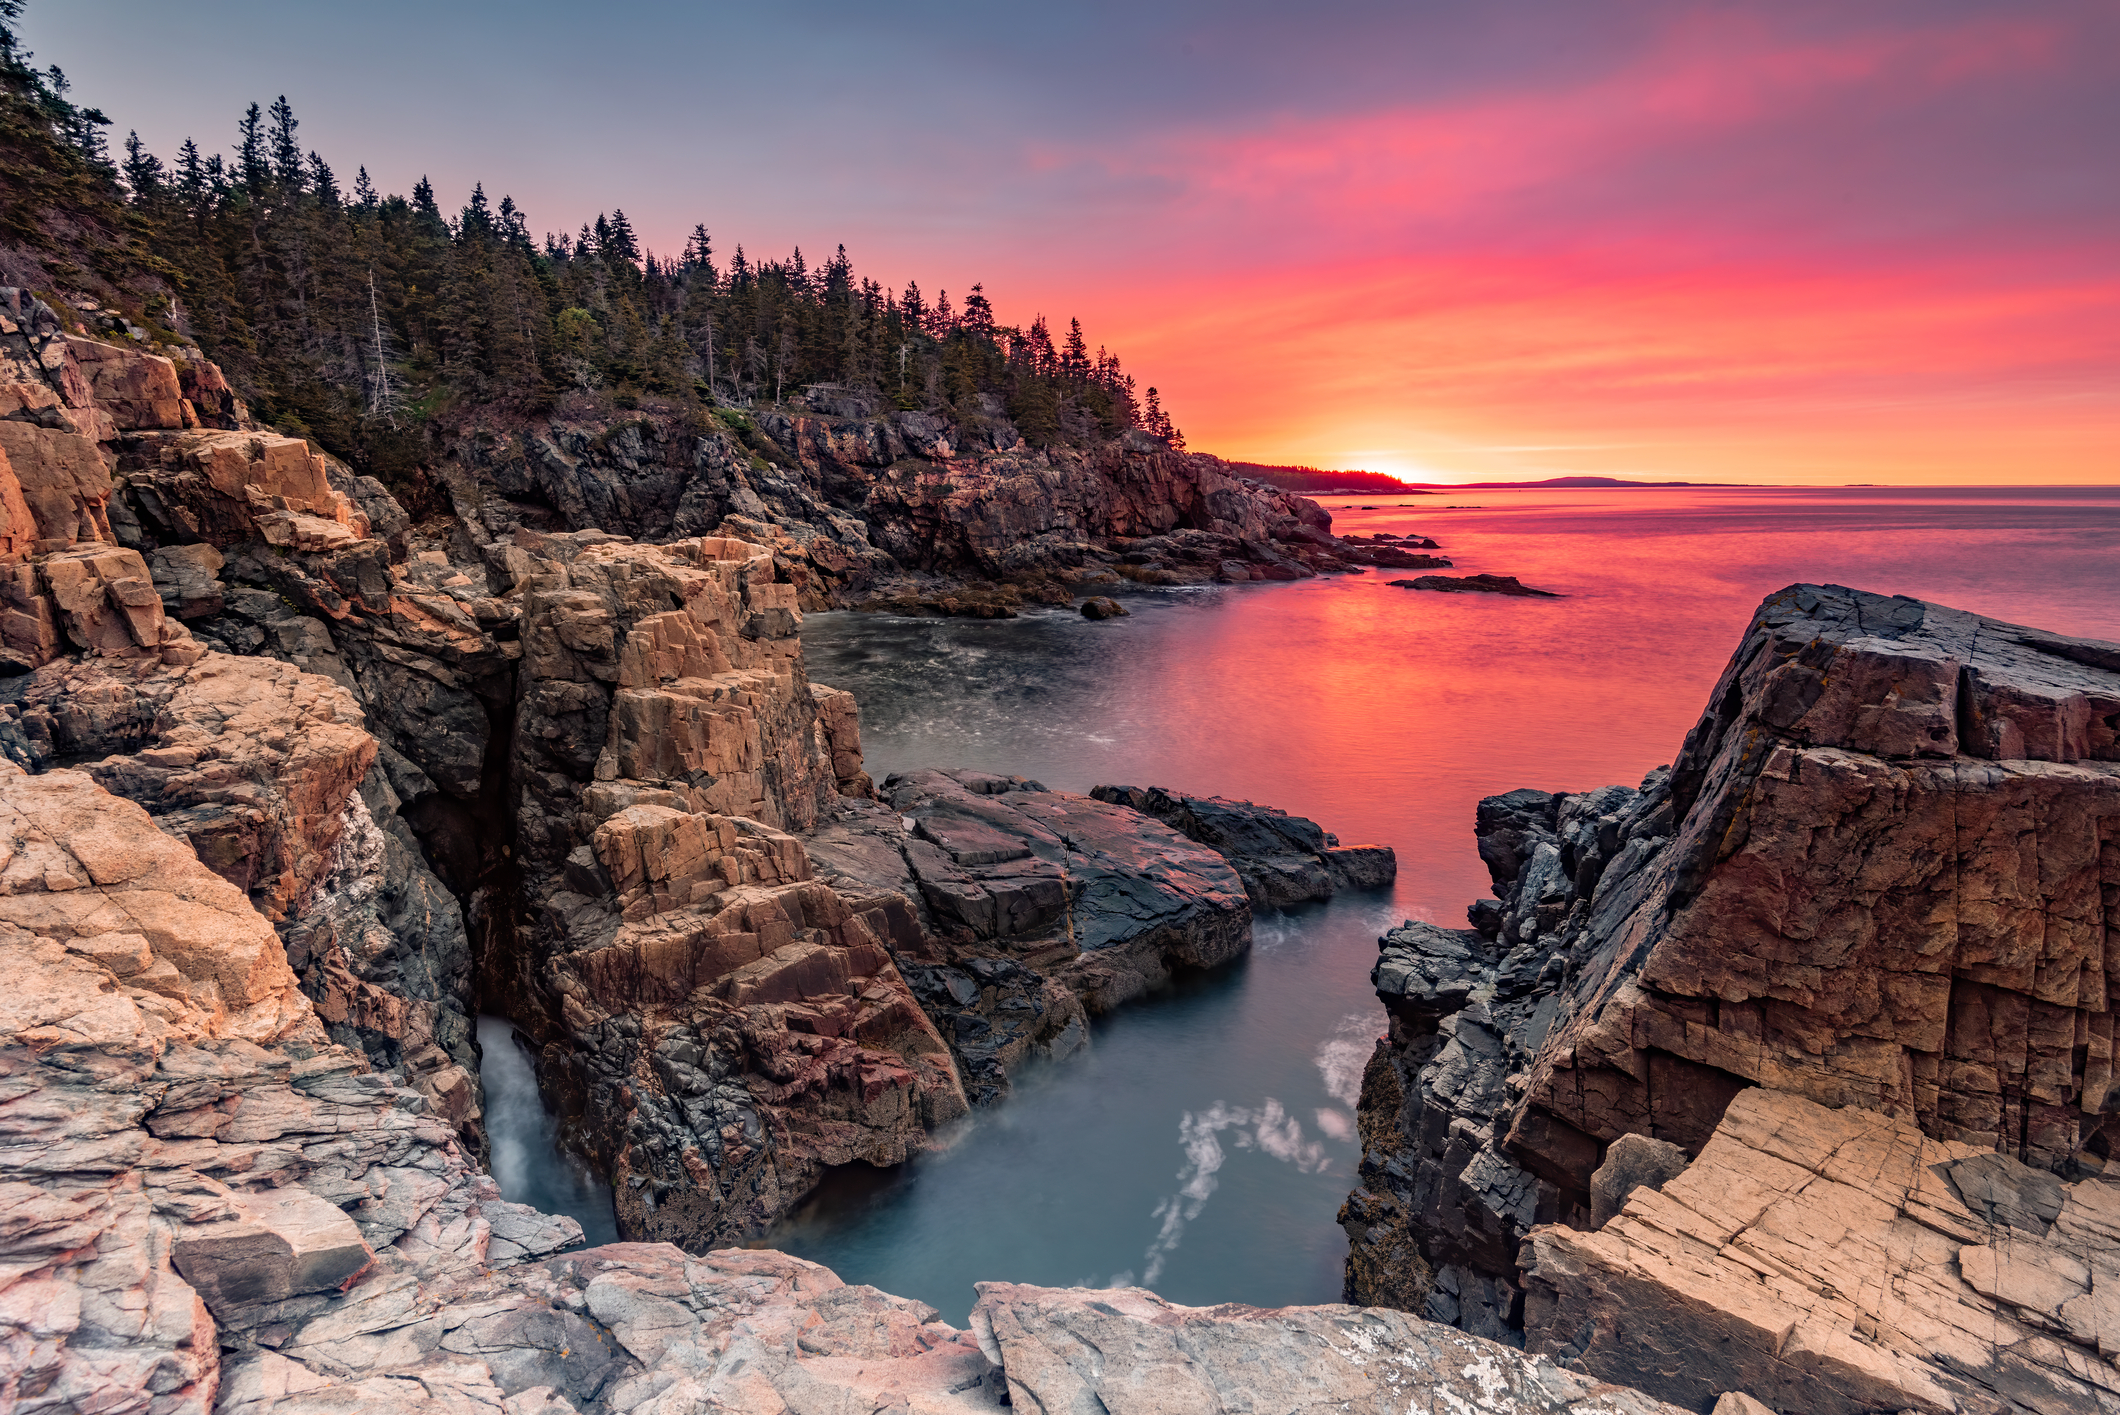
<point>370,322</point>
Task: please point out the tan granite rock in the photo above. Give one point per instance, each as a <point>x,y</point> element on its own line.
<point>226,487</point>
<point>249,760</point>
<point>839,722</point>
<point>1839,1261</point>
<point>83,865</point>
<point>64,480</point>
<point>139,390</point>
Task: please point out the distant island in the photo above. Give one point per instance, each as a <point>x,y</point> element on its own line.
<point>1311,481</point>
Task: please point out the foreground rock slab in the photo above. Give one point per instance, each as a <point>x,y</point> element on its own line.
<point>1839,1261</point>
<point>1077,1350</point>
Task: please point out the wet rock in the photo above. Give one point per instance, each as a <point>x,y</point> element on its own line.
<point>1103,607</point>
<point>1472,584</point>
<point>1282,859</point>
<point>1109,899</point>
<point>1024,908</point>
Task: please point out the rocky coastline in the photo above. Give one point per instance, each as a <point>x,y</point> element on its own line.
<point>1779,1082</point>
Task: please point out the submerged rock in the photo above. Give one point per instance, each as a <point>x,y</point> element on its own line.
<point>1473,584</point>
<point>1103,607</point>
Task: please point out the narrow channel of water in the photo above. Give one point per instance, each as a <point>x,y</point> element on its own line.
<point>527,1161</point>
<point>1203,1145</point>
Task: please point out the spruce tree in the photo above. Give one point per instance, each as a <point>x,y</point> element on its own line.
<point>322,184</point>
<point>252,168</point>
<point>143,170</point>
<point>286,152</point>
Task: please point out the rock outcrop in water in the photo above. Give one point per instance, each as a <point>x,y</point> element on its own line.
<point>1880,879</point>
<point>1029,907</point>
<point>1282,859</point>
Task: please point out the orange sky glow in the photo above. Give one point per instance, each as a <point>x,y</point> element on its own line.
<point>1733,258</point>
<point>1810,242</point>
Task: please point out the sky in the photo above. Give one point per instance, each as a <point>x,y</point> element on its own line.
<point>1811,241</point>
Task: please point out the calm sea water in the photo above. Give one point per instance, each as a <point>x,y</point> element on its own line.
<point>1205,1142</point>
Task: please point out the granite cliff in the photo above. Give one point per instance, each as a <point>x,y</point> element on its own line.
<point>1790,1070</point>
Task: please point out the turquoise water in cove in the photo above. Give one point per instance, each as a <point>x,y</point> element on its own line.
<point>1203,1144</point>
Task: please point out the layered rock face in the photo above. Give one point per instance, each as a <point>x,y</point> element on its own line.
<point>1840,1261</point>
<point>1879,876</point>
<point>1027,907</point>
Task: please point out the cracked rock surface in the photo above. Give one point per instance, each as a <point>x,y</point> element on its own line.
<point>1839,1261</point>
<point>1029,907</point>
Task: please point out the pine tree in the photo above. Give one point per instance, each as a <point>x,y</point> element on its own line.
<point>364,194</point>
<point>978,317</point>
<point>322,183</point>
<point>620,244</point>
<point>191,180</point>
<point>143,170</point>
<point>476,223</point>
<point>1074,358</point>
<point>252,169</point>
<point>286,152</point>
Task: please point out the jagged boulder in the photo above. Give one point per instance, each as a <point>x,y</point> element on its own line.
<point>1024,907</point>
<point>226,487</point>
<point>1282,859</point>
<point>249,761</point>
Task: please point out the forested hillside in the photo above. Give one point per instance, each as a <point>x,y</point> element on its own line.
<point>372,322</point>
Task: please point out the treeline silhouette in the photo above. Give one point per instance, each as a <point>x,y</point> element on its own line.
<point>363,319</point>
<point>1311,481</point>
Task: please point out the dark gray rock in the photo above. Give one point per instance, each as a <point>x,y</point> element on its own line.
<point>1032,906</point>
<point>1282,859</point>
<point>1637,1162</point>
<point>1473,584</point>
